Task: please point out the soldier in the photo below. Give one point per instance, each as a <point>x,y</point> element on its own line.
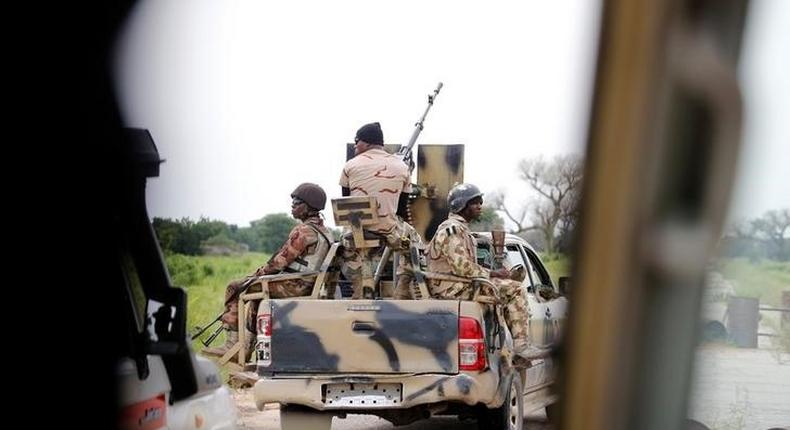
<point>306,246</point>
<point>453,251</point>
<point>375,172</point>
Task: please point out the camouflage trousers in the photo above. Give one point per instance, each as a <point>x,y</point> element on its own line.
<point>353,260</point>
<point>516,311</point>
<point>402,290</point>
<point>277,290</point>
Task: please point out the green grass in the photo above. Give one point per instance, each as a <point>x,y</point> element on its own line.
<point>764,280</point>
<point>557,265</point>
<point>205,279</point>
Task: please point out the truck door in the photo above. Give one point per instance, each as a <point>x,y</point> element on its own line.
<point>548,316</point>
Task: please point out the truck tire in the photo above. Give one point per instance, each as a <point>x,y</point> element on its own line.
<point>509,416</point>
<point>302,418</point>
<point>714,331</point>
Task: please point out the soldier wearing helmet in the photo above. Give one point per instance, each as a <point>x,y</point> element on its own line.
<point>304,249</point>
<point>453,251</point>
<point>375,172</point>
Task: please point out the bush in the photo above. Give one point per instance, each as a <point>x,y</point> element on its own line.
<point>183,270</point>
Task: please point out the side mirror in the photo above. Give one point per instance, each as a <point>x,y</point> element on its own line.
<point>546,292</point>
<point>564,285</point>
<point>518,273</point>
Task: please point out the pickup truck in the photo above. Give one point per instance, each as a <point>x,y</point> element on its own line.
<point>406,360</point>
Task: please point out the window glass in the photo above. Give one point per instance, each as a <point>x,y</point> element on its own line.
<point>742,368</point>
<point>514,256</point>
<point>537,271</point>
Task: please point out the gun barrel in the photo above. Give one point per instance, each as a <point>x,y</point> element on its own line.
<point>405,151</point>
<point>213,336</point>
<point>202,330</point>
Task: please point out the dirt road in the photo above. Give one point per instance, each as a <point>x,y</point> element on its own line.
<point>732,389</point>
<point>737,388</point>
<point>252,419</point>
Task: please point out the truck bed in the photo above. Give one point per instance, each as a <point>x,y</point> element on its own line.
<point>363,336</point>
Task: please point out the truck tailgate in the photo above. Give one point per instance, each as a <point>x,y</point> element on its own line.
<point>364,336</point>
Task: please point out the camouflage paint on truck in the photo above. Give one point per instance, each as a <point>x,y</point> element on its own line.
<point>339,336</point>
<point>429,382</point>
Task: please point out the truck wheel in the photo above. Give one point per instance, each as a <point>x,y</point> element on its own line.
<point>509,416</point>
<point>714,331</point>
<point>302,418</point>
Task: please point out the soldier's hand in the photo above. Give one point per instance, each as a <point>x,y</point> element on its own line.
<point>260,272</point>
<point>500,273</point>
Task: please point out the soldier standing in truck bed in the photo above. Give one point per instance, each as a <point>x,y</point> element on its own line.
<point>305,249</point>
<point>375,172</point>
<point>453,251</point>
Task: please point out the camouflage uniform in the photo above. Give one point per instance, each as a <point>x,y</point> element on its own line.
<point>402,290</point>
<point>380,174</point>
<point>452,251</point>
<point>304,244</point>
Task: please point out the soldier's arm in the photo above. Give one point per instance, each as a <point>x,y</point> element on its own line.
<point>460,258</point>
<point>295,246</point>
<point>403,199</point>
<point>344,184</point>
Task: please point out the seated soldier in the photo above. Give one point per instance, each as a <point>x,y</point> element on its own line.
<point>307,244</point>
<point>377,173</point>
<point>452,251</point>
<point>402,290</point>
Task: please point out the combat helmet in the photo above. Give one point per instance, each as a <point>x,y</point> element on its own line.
<point>312,194</point>
<point>460,195</point>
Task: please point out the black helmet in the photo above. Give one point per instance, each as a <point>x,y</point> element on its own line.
<point>460,195</point>
<point>312,194</point>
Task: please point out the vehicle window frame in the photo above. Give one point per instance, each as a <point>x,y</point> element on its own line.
<point>539,268</point>
<point>520,252</point>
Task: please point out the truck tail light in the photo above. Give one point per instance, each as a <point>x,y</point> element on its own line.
<point>265,325</point>
<point>263,341</point>
<point>471,345</point>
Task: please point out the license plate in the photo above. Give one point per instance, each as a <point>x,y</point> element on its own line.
<point>362,395</point>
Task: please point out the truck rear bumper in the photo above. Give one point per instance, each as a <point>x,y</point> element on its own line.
<point>468,388</point>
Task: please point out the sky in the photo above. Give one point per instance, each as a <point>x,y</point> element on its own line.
<point>763,174</point>
<point>247,99</point>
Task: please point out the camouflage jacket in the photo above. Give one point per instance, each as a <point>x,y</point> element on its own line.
<point>382,175</point>
<point>453,250</point>
<point>304,245</point>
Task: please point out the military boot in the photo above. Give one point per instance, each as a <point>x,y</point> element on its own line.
<point>528,351</point>
<point>231,338</point>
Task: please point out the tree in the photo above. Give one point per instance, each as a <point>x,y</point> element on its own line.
<point>178,237</point>
<point>765,237</point>
<point>185,236</point>
<point>555,210</point>
<point>167,231</point>
<point>223,245</point>
<point>773,229</point>
<point>497,201</point>
<point>489,220</point>
<point>271,231</point>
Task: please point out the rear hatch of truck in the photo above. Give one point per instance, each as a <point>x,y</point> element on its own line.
<point>364,336</point>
